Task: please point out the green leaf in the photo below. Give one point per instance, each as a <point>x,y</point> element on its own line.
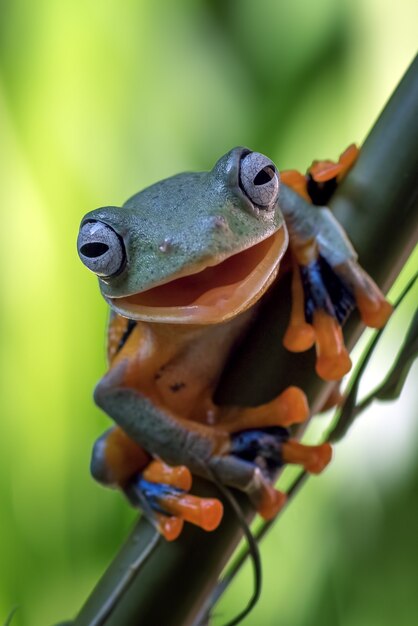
<point>392,386</point>
<point>10,616</point>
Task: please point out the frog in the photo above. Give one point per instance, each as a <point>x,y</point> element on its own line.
<point>185,265</point>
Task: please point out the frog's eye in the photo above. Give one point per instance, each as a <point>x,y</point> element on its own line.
<point>101,249</point>
<point>259,179</point>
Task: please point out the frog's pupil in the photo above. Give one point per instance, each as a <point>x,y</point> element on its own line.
<point>264,176</point>
<point>93,250</point>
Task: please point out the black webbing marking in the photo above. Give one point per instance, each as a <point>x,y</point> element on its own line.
<point>129,328</point>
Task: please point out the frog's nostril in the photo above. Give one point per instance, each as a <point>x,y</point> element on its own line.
<point>94,249</point>
<point>220,223</point>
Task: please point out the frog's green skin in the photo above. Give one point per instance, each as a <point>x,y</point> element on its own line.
<point>183,265</point>
<point>182,222</point>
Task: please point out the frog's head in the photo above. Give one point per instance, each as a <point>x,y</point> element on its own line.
<point>194,248</point>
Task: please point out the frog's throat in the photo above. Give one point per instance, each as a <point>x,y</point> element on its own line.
<point>213,294</point>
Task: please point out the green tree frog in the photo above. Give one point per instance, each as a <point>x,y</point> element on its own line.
<point>184,265</point>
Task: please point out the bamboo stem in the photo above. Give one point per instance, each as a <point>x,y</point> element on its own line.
<point>377,204</point>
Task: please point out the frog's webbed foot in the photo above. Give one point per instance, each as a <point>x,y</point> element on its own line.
<point>322,178</point>
<point>254,458</point>
<point>320,303</point>
<point>271,448</point>
<point>260,444</point>
<point>322,171</point>
<point>322,298</point>
<point>161,492</point>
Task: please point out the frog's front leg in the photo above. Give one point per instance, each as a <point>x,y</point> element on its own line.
<point>244,459</point>
<point>153,426</point>
<point>160,490</point>
<point>254,458</point>
<point>328,284</point>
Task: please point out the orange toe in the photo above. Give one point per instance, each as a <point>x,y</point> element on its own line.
<point>322,171</point>
<point>211,513</point>
<point>333,360</point>
<point>313,458</point>
<point>169,527</point>
<point>204,512</point>
<point>271,503</point>
<point>159,472</point>
<point>333,367</point>
<point>348,158</point>
<point>294,406</point>
<point>299,338</point>
<point>375,311</point>
<point>295,180</point>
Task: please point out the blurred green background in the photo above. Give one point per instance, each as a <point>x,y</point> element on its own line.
<point>97,100</point>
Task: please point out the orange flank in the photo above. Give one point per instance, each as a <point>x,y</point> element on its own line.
<point>203,512</point>
<point>333,360</point>
<point>169,527</point>
<point>313,458</point>
<point>159,472</point>
<point>117,328</point>
<point>123,456</point>
<point>272,501</point>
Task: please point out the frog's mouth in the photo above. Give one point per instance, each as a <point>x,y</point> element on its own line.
<point>212,293</point>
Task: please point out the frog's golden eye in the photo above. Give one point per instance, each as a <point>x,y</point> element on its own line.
<point>101,249</point>
<point>259,179</point>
